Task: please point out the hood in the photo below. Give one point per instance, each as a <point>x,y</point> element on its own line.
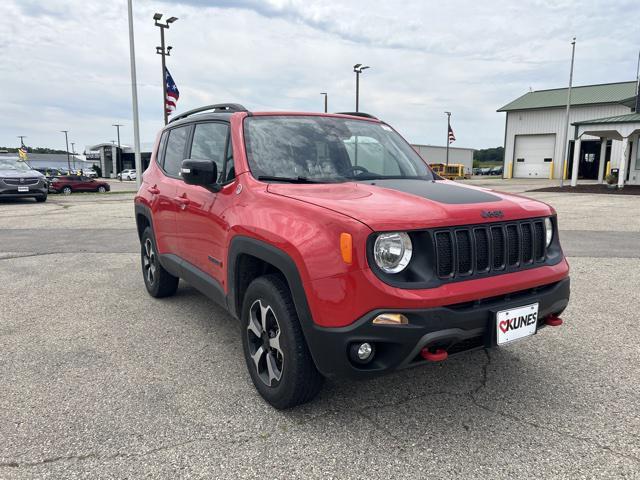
<point>20,174</point>
<point>408,204</point>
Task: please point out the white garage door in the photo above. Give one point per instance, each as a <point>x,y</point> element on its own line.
<point>533,156</point>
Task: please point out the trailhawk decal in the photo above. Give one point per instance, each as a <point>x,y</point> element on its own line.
<point>516,323</point>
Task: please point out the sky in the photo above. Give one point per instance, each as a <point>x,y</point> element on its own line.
<point>64,64</point>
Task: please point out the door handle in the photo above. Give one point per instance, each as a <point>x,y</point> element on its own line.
<point>153,190</point>
<point>182,200</point>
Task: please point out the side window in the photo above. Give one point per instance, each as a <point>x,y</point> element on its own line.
<point>174,152</point>
<point>209,140</point>
<point>161,145</point>
<point>230,170</point>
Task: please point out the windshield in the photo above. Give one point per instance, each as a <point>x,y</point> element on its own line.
<point>328,149</point>
<point>14,164</point>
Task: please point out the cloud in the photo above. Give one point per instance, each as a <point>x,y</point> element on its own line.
<point>66,63</point>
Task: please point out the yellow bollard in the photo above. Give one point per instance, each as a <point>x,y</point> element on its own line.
<point>551,170</point>
<point>564,174</point>
<point>608,169</point>
<point>510,170</point>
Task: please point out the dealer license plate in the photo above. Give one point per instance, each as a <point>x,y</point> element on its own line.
<point>23,189</point>
<point>516,323</point>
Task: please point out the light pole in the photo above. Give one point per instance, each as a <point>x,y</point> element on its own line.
<point>134,95</point>
<point>565,154</point>
<point>73,152</point>
<point>66,139</point>
<point>118,125</point>
<point>358,68</point>
<point>448,128</point>
<point>163,52</point>
<point>325,100</point>
<point>22,137</point>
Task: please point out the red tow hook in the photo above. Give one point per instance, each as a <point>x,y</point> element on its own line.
<point>438,356</point>
<point>553,321</point>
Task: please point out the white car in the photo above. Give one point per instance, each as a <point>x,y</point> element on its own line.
<point>128,174</point>
<point>90,173</point>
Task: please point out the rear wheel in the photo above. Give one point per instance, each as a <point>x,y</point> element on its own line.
<point>101,189</point>
<point>275,350</point>
<point>158,281</point>
<point>66,190</point>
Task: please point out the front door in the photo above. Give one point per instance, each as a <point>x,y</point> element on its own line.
<point>200,220</point>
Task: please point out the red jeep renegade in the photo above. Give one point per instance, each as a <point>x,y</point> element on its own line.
<point>336,246</point>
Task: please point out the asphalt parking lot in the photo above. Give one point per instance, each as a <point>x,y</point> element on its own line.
<point>99,380</point>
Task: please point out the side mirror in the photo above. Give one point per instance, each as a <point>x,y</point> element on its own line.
<point>200,172</point>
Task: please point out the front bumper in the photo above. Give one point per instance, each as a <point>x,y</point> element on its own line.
<point>455,328</point>
<point>11,192</point>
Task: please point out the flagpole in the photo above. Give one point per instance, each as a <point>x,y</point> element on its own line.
<point>448,128</point>
<point>134,98</point>
<point>565,153</point>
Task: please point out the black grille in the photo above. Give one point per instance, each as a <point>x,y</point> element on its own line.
<point>465,251</point>
<point>444,247</point>
<point>20,181</point>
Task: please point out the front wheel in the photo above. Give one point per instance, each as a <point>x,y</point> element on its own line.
<point>276,353</point>
<point>41,198</point>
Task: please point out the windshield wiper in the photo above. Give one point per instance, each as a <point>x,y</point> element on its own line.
<point>287,179</point>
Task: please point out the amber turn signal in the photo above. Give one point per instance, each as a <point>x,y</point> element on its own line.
<point>346,247</point>
<point>391,319</point>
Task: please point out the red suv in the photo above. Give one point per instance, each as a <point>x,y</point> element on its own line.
<point>337,248</point>
<point>68,184</point>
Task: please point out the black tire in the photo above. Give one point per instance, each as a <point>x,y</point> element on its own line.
<point>41,198</point>
<point>66,190</point>
<point>299,380</point>
<point>101,189</point>
<point>159,282</point>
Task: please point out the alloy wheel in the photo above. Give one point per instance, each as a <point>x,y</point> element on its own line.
<point>66,191</point>
<point>263,335</point>
<point>149,261</point>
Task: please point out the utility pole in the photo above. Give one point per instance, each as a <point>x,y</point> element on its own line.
<point>118,125</point>
<point>66,139</point>
<point>163,52</point>
<point>448,128</point>
<point>73,152</point>
<point>325,100</point>
<point>358,68</point>
<point>134,96</point>
<point>565,153</point>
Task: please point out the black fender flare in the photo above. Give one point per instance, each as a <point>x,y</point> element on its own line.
<point>143,210</point>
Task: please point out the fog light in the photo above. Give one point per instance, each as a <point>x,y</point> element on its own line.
<point>391,319</point>
<point>362,352</point>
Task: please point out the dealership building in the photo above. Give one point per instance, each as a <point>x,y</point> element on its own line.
<point>113,158</point>
<point>603,133</point>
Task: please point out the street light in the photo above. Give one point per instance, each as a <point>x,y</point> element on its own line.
<point>325,100</point>
<point>66,139</point>
<point>117,125</point>
<point>163,52</point>
<point>73,152</point>
<point>358,68</point>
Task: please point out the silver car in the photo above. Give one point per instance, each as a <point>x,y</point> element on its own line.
<point>18,179</point>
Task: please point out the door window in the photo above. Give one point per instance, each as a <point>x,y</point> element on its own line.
<point>174,152</point>
<point>209,142</point>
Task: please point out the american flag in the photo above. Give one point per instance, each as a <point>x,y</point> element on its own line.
<point>452,137</point>
<point>172,93</point>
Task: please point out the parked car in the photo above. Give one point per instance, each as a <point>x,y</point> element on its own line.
<point>18,179</point>
<point>336,268</point>
<point>127,175</point>
<point>485,171</point>
<point>68,184</point>
<point>90,173</point>
<point>496,170</point>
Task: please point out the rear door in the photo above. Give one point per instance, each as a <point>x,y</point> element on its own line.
<point>164,187</point>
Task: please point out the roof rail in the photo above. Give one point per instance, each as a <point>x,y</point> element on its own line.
<point>358,114</point>
<point>224,107</point>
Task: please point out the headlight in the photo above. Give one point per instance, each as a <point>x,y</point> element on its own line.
<point>548,226</point>
<point>392,251</point>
